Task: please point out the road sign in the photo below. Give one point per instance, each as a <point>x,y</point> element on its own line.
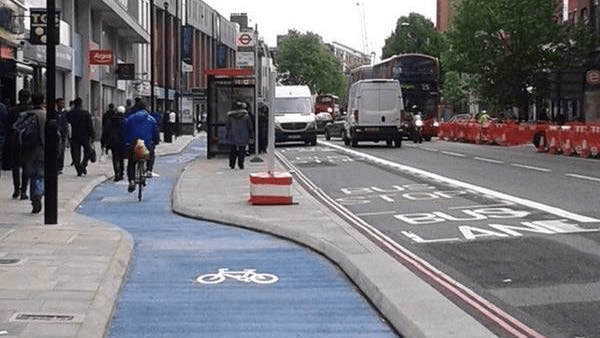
<point>37,26</point>
<point>593,77</point>
<point>245,40</point>
<point>102,57</point>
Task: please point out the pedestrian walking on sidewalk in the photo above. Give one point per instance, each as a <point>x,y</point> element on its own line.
<point>112,133</point>
<point>106,117</point>
<point>82,136</point>
<point>11,157</point>
<point>3,131</point>
<point>263,127</point>
<point>32,153</point>
<point>239,129</point>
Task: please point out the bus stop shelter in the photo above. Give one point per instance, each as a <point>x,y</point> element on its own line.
<point>225,87</point>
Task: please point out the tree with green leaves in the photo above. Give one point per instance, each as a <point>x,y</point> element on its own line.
<point>510,45</point>
<point>309,62</point>
<point>452,89</point>
<point>414,34</point>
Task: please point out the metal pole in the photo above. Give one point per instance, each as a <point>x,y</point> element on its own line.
<point>51,134</point>
<point>177,67</point>
<point>256,85</point>
<point>271,142</point>
<point>168,134</point>
<point>152,70</point>
<point>166,55</point>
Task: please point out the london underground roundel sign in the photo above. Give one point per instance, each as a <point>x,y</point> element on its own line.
<point>593,77</point>
<point>245,40</point>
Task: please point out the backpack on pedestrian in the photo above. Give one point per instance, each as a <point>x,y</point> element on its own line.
<point>28,131</point>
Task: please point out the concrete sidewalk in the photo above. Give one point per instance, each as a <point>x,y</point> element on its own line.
<point>63,280</point>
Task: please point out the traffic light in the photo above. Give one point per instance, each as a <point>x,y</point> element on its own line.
<point>37,28</point>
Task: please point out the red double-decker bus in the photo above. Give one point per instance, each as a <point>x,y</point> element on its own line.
<point>327,103</point>
<point>419,77</point>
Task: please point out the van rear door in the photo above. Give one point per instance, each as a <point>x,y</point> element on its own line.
<point>380,104</point>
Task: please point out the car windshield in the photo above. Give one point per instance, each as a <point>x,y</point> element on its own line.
<point>379,99</point>
<point>292,105</point>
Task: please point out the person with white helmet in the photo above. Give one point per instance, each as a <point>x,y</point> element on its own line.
<point>418,128</point>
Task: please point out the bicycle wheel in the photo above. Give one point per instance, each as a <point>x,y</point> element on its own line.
<point>211,278</point>
<point>140,178</point>
<point>264,278</point>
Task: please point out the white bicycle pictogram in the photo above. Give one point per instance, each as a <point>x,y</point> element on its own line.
<point>246,276</point>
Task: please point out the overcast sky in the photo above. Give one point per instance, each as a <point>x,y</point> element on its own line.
<point>333,20</point>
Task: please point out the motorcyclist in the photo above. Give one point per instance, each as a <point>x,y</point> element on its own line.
<point>418,123</point>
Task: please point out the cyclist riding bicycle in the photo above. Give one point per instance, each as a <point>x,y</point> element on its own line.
<point>139,124</point>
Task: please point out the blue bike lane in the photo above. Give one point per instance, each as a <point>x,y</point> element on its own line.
<point>162,296</point>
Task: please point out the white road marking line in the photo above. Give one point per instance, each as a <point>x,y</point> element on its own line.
<point>376,213</point>
<point>530,167</point>
<point>528,203</point>
<point>505,204</point>
<point>453,154</point>
<point>489,160</point>
<point>584,177</point>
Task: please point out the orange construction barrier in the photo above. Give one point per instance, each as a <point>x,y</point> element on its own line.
<point>573,138</point>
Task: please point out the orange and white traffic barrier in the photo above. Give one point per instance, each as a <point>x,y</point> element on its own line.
<point>270,188</point>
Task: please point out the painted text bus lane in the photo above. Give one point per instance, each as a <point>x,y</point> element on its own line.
<point>315,156</point>
<point>429,213</point>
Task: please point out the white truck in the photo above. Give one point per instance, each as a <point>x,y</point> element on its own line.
<point>374,112</point>
<point>294,116</point>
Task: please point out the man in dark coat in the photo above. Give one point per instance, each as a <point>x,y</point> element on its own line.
<point>112,141</point>
<point>106,125</point>
<point>3,130</point>
<point>12,155</point>
<point>82,136</point>
<point>239,129</point>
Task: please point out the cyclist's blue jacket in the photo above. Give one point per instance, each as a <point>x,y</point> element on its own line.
<point>140,124</point>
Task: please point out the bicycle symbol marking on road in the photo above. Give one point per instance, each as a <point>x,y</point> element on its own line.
<point>246,276</point>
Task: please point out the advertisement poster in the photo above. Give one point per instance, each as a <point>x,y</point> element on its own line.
<point>187,110</point>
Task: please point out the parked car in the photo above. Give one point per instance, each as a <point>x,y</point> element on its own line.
<point>336,128</point>
<point>460,117</point>
<point>323,119</point>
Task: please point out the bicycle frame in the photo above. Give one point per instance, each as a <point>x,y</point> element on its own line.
<point>140,176</point>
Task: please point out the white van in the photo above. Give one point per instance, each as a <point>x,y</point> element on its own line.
<point>374,112</point>
<point>294,115</point>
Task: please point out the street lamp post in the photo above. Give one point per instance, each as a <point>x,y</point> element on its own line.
<point>167,123</point>
<point>152,70</point>
<point>177,68</point>
<point>51,144</point>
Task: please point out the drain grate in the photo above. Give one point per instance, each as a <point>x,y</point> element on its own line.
<point>46,317</point>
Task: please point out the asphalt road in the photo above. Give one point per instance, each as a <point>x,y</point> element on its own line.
<point>516,227</point>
